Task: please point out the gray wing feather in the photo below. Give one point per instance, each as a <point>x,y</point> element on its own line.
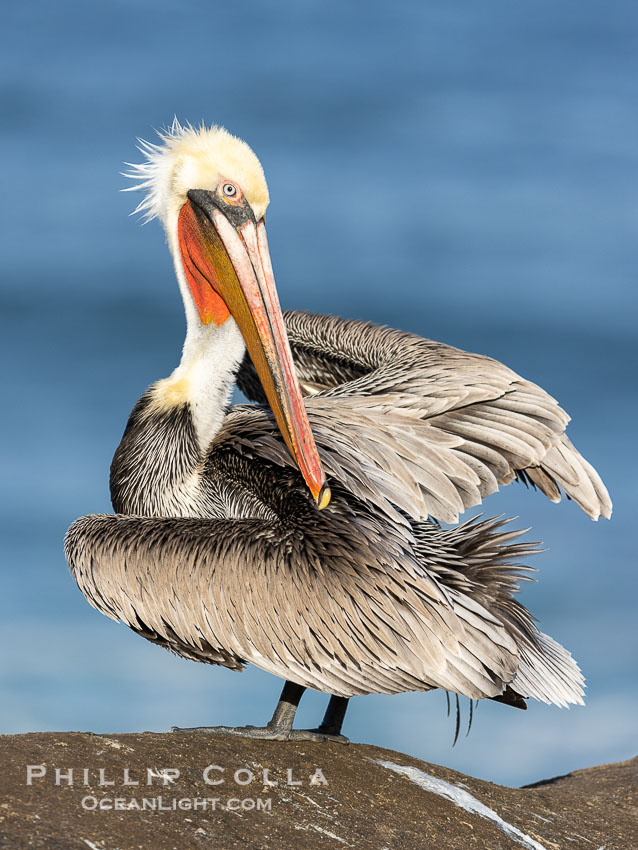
<point>333,610</point>
<point>426,428</point>
<point>307,605</point>
<point>548,672</point>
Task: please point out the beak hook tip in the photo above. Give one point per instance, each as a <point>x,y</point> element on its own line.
<point>323,497</point>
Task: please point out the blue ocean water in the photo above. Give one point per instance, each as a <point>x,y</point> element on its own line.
<point>464,171</point>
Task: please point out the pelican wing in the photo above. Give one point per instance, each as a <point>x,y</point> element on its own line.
<point>424,427</point>
<point>333,600</point>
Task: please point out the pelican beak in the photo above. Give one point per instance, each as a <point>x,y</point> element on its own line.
<point>227,264</point>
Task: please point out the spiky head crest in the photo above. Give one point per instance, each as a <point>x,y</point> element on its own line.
<point>190,157</point>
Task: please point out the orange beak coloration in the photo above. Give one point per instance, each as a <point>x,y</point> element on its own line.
<point>227,263</point>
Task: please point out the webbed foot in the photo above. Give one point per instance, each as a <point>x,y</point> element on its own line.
<point>269,733</point>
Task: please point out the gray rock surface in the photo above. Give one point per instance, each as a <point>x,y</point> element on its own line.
<point>326,796</point>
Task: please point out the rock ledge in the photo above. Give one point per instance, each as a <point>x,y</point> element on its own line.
<point>194,791</point>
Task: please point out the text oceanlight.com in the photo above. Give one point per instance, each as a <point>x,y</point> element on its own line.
<point>175,804</point>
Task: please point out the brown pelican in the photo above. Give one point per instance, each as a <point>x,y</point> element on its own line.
<point>227,546</point>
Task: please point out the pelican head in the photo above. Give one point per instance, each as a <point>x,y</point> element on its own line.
<point>209,191</point>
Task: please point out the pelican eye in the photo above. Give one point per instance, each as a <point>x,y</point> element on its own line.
<point>229,190</point>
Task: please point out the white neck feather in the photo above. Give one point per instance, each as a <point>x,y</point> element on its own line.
<point>210,359</point>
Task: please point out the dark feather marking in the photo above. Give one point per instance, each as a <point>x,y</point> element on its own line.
<point>458,721</point>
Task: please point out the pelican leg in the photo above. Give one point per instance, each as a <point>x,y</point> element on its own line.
<point>279,728</point>
<point>333,718</point>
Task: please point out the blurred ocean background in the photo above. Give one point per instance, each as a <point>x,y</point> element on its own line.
<point>466,171</point>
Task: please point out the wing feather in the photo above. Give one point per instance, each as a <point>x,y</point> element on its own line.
<point>427,429</point>
<point>351,614</point>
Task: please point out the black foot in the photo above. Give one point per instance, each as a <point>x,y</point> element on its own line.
<point>269,733</point>
<point>317,735</point>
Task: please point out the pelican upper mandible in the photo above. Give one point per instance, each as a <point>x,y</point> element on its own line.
<point>301,534</point>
